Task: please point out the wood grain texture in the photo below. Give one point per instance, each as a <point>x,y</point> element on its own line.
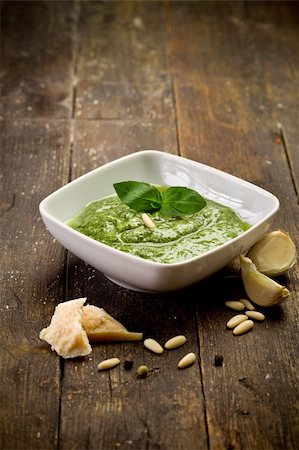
<point>288,135</point>
<point>122,72</point>
<point>122,411</point>
<point>136,412</point>
<point>98,142</point>
<point>122,42</point>
<point>36,58</point>
<point>33,163</point>
<point>227,115</point>
<point>86,82</point>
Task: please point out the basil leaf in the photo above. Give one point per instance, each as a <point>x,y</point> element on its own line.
<point>142,197</point>
<point>177,201</point>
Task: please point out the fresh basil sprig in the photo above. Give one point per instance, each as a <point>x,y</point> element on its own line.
<point>171,201</point>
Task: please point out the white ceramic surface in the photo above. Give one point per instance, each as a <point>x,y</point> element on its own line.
<point>255,205</point>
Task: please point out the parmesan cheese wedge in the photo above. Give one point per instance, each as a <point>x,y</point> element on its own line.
<point>65,333</point>
<point>101,327</point>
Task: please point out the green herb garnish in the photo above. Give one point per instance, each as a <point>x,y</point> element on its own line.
<point>142,197</point>
<point>171,201</point>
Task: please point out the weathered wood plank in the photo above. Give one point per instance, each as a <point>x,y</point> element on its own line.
<point>226,74</point>
<point>272,34</point>
<point>36,58</point>
<point>123,411</point>
<point>34,162</point>
<point>161,411</point>
<point>122,69</point>
<point>251,399</point>
<point>235,78</point>
<point>98,142</point>
<point>122,42</point>
<point>123,101</point>
<point>288,134</point>
<point>120,410</point>
<point>246,75</point>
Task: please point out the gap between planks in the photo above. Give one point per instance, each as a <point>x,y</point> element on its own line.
<point>76,15</point>
<point>201,372</point>
<point>171,68</point>
<point>284,141</point>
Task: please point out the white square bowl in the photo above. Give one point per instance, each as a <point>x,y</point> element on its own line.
<point>255,205</point>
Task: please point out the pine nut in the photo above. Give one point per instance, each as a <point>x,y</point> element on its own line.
<point>108,363</point>
<point>237,306</point>
<point>234,321</point>
<point>175,342</point>
<point>142,371</point>
<point>148,222</point>
<point>187,360</point>
<point>243,327</point>
<point>247,304</point>
<point>255,315</point>
<point>153,345</point>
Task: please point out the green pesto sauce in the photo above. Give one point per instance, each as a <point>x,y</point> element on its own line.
<point>173,240</point>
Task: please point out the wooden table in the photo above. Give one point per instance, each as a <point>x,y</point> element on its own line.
<point>87,82</point>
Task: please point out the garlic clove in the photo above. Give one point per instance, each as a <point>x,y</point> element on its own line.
<point>261,289</point>
<point>274,253</point>
<point>234,265</point>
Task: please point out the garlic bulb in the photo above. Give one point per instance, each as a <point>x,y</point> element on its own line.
<point>274,253</point>
<point>261,289</point>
